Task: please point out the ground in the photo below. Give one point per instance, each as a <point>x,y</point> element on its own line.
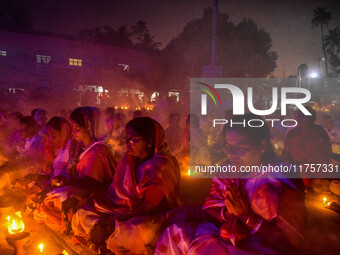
<point>323,233</point>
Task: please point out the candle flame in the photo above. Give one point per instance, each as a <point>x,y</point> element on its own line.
<point>15,224</point>
<point>324,200</point>
<point>41,247</point>
<point>65,252</point>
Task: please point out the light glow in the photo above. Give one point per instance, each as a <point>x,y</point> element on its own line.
<point>15,223</point>
<point>314,75</point>
<point>41,247</point>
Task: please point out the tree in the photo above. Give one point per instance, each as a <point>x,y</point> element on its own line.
<point>243,50</point>
<point>321,18</point>
<point>302,73</point>
<point>145,41</point>
<point>140,28</point>
<point>332,44</point>
<point>120,37</point>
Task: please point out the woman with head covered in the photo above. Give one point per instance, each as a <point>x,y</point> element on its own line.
<point>91,167</point>
<point>145,186</point>
<point>248,213</point>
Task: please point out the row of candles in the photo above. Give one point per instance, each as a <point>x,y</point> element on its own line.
<point>41,250</point>
<point>16,225</point>
<point>137,108</point>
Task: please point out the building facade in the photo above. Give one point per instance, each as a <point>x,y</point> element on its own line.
<point>59,64</point>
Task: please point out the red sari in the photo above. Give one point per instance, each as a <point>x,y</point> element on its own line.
<point>96,162</point>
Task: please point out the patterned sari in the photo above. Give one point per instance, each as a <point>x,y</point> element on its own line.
<point>276,200</point>
<point>90,172</point>
<point>140,233</point>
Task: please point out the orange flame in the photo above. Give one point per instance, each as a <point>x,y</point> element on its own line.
<point>15,223</point>
<point>41,247</point>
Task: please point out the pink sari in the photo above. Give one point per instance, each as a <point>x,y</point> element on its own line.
<point>125,194</point>
<point>277,201</point>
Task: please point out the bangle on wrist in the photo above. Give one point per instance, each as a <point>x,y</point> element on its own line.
<point>257,226</point>
<point>223,212</point>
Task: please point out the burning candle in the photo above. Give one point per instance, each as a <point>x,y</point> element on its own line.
<point>41,248</point>
<point>325,203</point>
<point>15,223</point>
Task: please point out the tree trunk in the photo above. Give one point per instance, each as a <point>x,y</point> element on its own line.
<point>324,51</point>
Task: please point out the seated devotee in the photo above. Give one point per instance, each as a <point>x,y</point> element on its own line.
<point>197,141</point>
<point>57,146</point>
<point>253,213</point>
<point>116,128</point>
<point>119,124</point>
<point>146,185</point>
<point>23,152</point>
<point>32,141</point>
<point>55,158</point>
<point>109,113</point>
<point>307,143</point>
<point>173,133</point>
<point>109,123</point>
<point>40,115</point>
<point>332,131</point>
<point>10,134</point>
<point>90,171</point>
<point>114,137</point>
<point>138,114</point>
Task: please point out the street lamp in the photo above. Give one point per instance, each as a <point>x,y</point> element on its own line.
<point>312,75</point>
<point>320,59</point>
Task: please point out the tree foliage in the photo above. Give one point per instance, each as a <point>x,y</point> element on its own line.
<point>321,18</point>
<point>243,50</point>
<point>137,36</point>
<point>332,44</point>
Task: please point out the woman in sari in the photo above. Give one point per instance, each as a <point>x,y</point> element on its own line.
<point>57,146</point>
<point>145,186</point>
<point>89,172</point>
<point>253,213</point>
<point>55,158</point>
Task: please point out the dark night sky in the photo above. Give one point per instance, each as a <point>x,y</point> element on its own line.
<point>287,21</point>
